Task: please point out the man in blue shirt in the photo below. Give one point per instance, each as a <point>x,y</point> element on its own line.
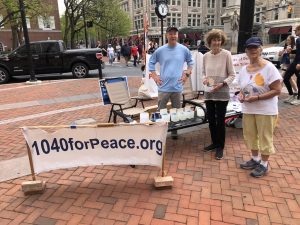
<point>171,58</point>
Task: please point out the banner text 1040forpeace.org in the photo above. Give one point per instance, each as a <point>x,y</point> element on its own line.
<point>119,145</point>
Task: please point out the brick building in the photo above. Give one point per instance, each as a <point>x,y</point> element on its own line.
<point>192,17</point>
<point>39,28</point>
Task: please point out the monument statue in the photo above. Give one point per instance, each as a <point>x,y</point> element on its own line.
<point>235,19</point>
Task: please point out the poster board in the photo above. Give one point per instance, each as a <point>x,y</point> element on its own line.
<point>103,90</point>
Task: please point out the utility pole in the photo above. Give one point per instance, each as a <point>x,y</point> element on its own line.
<point>246,23</point>
<point>27,42</point>
<point>84,23</point>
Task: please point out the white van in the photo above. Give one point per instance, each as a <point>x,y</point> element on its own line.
<point>272,53</point>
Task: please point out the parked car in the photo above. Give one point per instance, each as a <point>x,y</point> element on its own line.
<point>50,56</point>
<point>272,53</point>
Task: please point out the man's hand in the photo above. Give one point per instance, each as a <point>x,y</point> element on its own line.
<point>184,76</point>
<point>298,67</point>
<point>156,78</point>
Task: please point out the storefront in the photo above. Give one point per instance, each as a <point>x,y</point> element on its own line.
<point>278,34</point>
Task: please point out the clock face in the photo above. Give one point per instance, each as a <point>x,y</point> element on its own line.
<point>163,9</point>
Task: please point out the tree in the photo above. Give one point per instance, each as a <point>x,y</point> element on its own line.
<point>107,16</point>
<point>33,9</point>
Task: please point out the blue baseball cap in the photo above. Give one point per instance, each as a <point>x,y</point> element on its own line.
<point>253,41</point>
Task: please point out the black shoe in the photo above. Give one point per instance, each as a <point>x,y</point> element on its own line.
<point>259,171</point>
<point>210,147</point>
<point>219,154</point>
<point>249,165</point>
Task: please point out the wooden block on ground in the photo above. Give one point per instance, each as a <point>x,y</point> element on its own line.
<point>33,187</point>
<point>160,182</point>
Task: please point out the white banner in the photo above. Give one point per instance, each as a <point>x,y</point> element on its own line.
<point>130,144</point>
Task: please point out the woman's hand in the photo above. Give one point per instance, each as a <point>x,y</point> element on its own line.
<point>241,97</point>
<point>251,99</point>
<point>205,81</point>
<point>217,87</point>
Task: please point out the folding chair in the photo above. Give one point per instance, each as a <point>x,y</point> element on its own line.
<point>122,104</point>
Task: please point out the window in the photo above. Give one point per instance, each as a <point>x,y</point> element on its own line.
<point>28,23</point>
<point>139,22</point>
<point>35,49</point>
<point>194,3</point>
<point>50,47</point>
<point>154,20</point>
<point>125,7</point>
<point>174,19</point>
<point>224,3</point>
<point>211,20</point>
<point>210,4</point>
<point>46,23</point>
<point>275,17</point>
<point>1,19</point>
<point>258,13</point>
<point>137,4</point>
<point>175,2</point>
<point>194,20</point>
<point>152,2</point>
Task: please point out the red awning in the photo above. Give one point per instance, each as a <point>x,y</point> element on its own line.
<point>285,30</point>
<point>181,36</point>
<point>280,30</point>
<point>198,36</point>
<point>191,36</point>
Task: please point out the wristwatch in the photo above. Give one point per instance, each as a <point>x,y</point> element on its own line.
<point>187,74</point>
<point>224,83</point>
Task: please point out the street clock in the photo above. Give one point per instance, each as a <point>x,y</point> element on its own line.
<point>161,9</point>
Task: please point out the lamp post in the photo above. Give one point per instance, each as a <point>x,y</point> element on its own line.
<point>27,42</point>
<point>162,10</point>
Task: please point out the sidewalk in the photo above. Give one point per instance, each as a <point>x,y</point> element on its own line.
<point>205,191</point>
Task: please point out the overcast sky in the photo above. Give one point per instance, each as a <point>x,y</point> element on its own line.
<point>61,6</point>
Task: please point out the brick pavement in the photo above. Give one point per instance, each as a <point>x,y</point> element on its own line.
<point>205,191</point>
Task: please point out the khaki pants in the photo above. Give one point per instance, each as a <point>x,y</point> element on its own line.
<point>164,97</point>
<point>258,132</point>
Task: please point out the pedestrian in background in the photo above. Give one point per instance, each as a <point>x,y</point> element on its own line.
<point>286,60</point>
<point>171,58</point>
<point>125,52</point>
<point>134,53</point>
<point>111,54</point>
<point>218,73</point>
<point>260,84</point>
<point>202,48</point>
<point>294,68</point>
<point>118,51</point>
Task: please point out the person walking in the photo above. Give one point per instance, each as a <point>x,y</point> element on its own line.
<point>294,68</point>
<point>111,54</point>
<point>134,53</point>
<point>118,51</point>
<point>260,84</point>
<point>125,52</point>
<point>286,60</point>
<point>218,73</point>
<point>171,58</point>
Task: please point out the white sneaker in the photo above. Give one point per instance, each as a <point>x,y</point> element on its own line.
<point>289,99</point>
<point>295,102</point>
